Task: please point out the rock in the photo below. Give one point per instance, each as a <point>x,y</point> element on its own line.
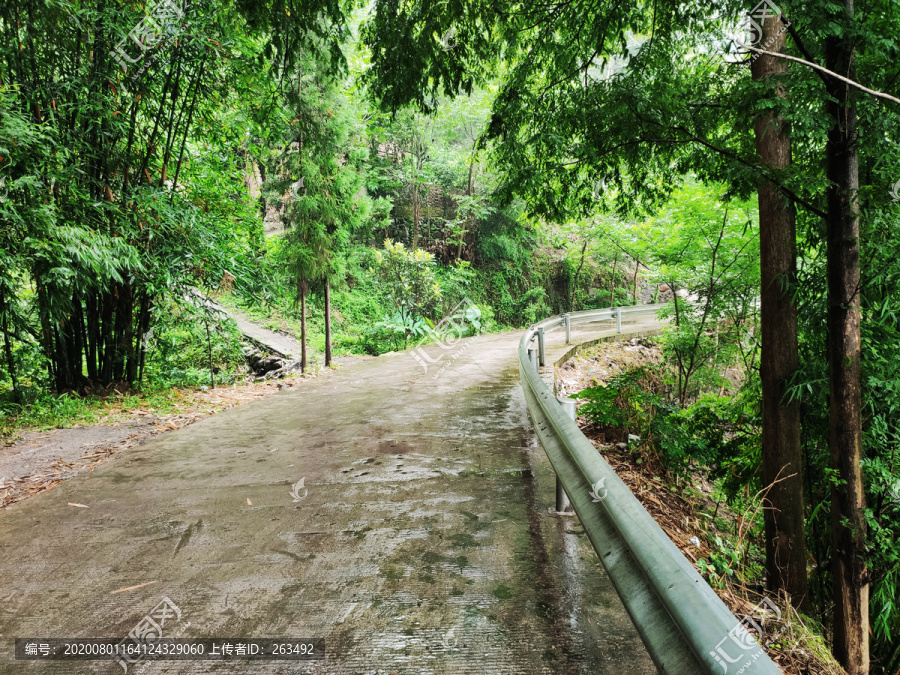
<point>695,541</point>
<point>621,446</point>
<point>284,371</point>
<point>633,438</point>
<point>268,364</point>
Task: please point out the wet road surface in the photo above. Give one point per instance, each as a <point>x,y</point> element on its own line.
<point>417,542</point>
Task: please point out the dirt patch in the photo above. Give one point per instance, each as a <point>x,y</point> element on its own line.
<point>39,460</point>
<point>598,364</point>
<point>688,525</point>
<point>394,447</point>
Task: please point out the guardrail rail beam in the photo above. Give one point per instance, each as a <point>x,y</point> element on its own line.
<point>685,626</point>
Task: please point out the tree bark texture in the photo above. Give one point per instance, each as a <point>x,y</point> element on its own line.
<point>786,556</point>
<point>302,285</point>
<point>327,323</point>
<point>851,589</point>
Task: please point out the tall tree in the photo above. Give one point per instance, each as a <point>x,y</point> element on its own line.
<point>414,146</point>
<point>129,105</point>
<point>851,590</point>
<point>327,290</point>
<point>317,178</point>
<point>782,461</point>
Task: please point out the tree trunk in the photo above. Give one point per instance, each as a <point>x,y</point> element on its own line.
<point>637,268</point>
<point>577,274</point>
<point>302,288</point>
<point>469,191</point>
<point>612,284</point>
<point>678,353</point>
<point>143,328</point>
<point>92,312</point>
<point>10,361</point>
<point>781,450</point>
<point>327,323</point>
<point>675,300</point>
<point>263,207</point>
<point>46,335</point>
<point>415,205</point>
<point>851,590</point>
<point>212,381</point>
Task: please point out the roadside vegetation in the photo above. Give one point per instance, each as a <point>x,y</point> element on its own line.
<point>687,467</point>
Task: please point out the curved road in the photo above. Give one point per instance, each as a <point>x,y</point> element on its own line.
<point>418,541</point>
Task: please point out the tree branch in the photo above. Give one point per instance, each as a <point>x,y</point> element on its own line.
<point>797,41</point>
<point>827,72</point>
<point>790,193</point>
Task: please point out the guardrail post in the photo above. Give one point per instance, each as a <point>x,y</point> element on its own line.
<point>542,357</point>
<point>568,320</point>
<point>618,312</point>
<point>563,505</point>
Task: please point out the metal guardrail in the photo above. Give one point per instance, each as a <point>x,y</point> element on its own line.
<point>682,622</point>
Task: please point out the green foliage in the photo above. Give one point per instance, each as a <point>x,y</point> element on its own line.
<point>714,432</point>
<point>403,324</point>
<point>316,176</point>
<point>409,278</point>
<point>617,403</point>
<point>881,418</point>
<point>708,250</point>
<point>456,281</point>
<point>724,561</point>
<point>179,350</point>
<point>123,181</point>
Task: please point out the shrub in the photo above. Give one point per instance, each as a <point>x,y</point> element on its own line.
<point>635,402</point>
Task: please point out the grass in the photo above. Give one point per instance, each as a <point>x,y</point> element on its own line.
<point>278,318</point>
<point>48,411</point>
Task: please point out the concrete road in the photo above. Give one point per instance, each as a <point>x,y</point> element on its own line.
<point>417,542</point>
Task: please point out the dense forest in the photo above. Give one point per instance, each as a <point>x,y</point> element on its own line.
<point>351,172</point>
